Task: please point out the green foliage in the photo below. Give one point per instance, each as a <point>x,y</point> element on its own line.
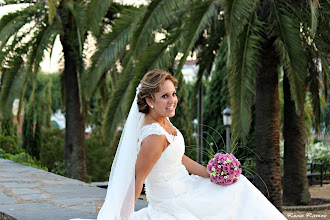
<point>99,158</point>
<point>44,106</point>
<point>47,91</point>
<point>37,26</point>
<point>59,168</point>
<point>7,125</point>
<point>96,10</point>
<point>325,119</point>
<point>9,144</point>
<point>52,148</point>
<point>111,46</point>
<point>27,128</point>
<point>216,100</point>
<point>319,153</point>
<point>243,64</point>
<point>181,120</point>
<point>285,28</point>
<point>202,14</point>
<point>22,158</point>
<point>237,14</point>
<point>37,135</point>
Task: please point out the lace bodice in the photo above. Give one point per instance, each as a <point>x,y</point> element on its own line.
<point>163,181</point>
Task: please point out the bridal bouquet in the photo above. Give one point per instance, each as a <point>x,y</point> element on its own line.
<point>224,169</point>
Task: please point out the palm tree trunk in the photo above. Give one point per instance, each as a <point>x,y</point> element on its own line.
<point>295,185</point>
<point>74,152</point>
<point>267,124</point>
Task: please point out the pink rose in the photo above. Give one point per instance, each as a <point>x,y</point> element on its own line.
<point>218,156</point>
<point>222,159</point>
<point>232,157</point>
<point>215,164</point>
<point>209,169</point>
<point>235,180</point>
<point>226,168</point>
<point>238,172</point>
<point>222,181</point>
<point>232,164</point>
<point>213,179</point>
<point>219,170</point>
<point>228,181</point>
<point>231,173</point>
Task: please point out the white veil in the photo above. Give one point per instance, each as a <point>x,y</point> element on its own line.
<point>120,199</point>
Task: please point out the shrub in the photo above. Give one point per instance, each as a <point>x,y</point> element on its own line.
<point>9,144</point>
<point>99,158</point>
<point>59,168</point>
<point>319,152</point>
<point>22,158</point>
<point>52,147</point>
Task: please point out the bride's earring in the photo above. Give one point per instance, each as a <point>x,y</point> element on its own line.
<point>152,106</point>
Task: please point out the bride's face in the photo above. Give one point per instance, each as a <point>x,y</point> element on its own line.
<point>165,100</point>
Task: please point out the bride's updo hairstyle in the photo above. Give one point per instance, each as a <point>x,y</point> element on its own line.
<point>151,84</point>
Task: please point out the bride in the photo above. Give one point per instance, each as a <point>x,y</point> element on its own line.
<point>151,151</point>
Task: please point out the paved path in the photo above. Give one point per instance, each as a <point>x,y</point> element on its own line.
<point>31,194</point>
<point>27,193</point>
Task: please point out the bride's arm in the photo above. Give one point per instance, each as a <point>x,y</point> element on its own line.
<point>150,151</point>
<point>194,168</point>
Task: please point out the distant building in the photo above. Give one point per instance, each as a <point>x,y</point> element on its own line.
<point>189,70</point>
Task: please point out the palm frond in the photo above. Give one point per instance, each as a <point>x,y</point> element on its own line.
<point>52,4</point>
<point>78,13</point>
<point>314,88</point>
<point>237,14</point>
<point>111,46</point>
<point>8,49</point>
<point>11,23</point>
<point>158,14</point>
<point>321,43</point>
<point>200,17</point>
<point>242,69</point>
<point>288,46</point>
<point>95,11</point>
<point>314,15</point>
<point>207,54</point>
<point>42,41</point>
<point>21,97</point>
<point>112,113</point>
<point>12,83</point>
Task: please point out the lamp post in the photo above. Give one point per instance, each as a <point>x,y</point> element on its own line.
<point>200,125</point>
<point>227,122</point>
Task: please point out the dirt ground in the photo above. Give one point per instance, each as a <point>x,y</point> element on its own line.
<point>316,191</point>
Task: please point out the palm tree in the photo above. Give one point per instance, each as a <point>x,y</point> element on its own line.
<point>315,40</point>
<point>275,40</point>
<point>26,34</point>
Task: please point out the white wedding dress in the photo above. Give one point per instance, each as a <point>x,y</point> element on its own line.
<point>173,194</point>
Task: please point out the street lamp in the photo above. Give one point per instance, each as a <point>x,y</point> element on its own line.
<point>227,122</point>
